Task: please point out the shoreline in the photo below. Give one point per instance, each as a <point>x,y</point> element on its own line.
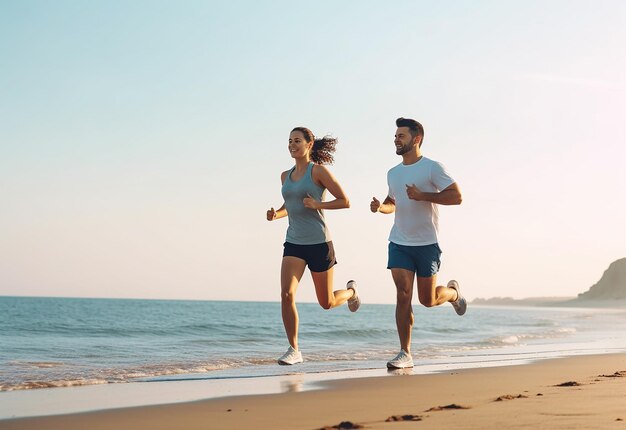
<point>530,394</point>
<point>186,388</point>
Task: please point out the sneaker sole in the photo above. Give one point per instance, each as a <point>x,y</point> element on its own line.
<point>391,366</point>
<point>287,363</point>
<point>284,363</point>
<point>458,308</point>
<point>353,304</point>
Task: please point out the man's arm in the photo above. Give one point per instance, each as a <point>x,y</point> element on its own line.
<point>386,207</point>
<point>449,196</point>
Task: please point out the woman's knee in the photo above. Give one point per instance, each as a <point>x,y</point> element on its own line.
<point>288,296</point>
<point>327,304</point>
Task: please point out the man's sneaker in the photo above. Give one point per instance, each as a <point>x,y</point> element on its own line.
<point>354,302</point>
<point>402,361</point>
<point>460,305</point>
<point>290,357</point>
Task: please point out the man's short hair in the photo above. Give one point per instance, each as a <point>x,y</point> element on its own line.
<point>414,127</point>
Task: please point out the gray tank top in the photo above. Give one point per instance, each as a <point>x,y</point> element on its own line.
<point>306,226</point>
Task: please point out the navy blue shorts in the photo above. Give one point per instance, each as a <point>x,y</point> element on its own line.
<point>423,260</point>
<point>319,257</point>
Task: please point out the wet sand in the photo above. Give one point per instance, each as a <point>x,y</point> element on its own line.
<point>571,393</point>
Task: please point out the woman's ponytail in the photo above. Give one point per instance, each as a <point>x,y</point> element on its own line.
<point>323,149</point>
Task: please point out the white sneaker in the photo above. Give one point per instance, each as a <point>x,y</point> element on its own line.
<point>460,305</point>
<point>354,302</point>
<point>402,361</point>
<point>290,357</point>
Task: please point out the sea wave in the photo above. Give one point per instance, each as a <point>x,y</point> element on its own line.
<point>30,385</point>
<point>511,339</point>
<point>71,342</point>
<point>35,364</point>
<point>70,378</point>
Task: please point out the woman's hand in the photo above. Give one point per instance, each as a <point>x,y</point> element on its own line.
<point>310,202</point>
<point>271,214</point>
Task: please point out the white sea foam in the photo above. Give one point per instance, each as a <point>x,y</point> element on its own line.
<point>510,340</point>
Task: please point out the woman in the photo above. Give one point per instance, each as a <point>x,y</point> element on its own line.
<point>308,239</point>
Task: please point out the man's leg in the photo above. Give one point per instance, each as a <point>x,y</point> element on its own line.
<point>291,272</point>
<point>404,311</point>
<point>432,295</point>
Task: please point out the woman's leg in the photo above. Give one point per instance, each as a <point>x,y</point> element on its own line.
<point>326,297</point>
<point>291,272</point>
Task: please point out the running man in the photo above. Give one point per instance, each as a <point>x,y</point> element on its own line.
<point>416,187</point>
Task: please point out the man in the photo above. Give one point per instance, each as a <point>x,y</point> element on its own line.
<point>416,187</point>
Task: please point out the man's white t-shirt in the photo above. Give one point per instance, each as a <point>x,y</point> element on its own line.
<point>416,223</point>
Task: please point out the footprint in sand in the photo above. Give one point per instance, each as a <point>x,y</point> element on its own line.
<point>447,407</point>
<point>568,384</point>
<point>510,397</point>
<point>404,418</point>
<point>618,374</point>
<point>344,425</point>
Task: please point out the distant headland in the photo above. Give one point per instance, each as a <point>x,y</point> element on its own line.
<point>609,291</point>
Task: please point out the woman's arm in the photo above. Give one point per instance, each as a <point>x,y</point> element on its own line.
<point>273,214</point>
<point>322,176</point>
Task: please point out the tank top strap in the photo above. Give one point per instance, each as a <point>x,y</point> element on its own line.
<point>289,172</point>
<point>309,172</point>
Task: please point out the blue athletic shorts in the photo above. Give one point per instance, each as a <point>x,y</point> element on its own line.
<point>319,257</point>
<point>423,260</point>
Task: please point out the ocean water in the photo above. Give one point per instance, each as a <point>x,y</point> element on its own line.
<point>56,342</point>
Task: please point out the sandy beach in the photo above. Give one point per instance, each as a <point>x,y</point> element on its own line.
<point>578,392</point>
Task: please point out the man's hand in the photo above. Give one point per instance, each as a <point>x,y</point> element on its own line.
<point>310,202</point>
<point>414,193</point>
<point>375,205</point>
<point>271,214</point>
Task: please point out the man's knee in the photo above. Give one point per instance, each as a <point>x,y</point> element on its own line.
<point>428,302</point>
<point>427,292</point>
<point>403,295</point>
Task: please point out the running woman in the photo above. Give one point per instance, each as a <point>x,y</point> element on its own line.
<point>308,241</point>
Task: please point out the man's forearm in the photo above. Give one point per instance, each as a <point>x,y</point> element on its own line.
<point>387,208</point>
<point>445,197</point>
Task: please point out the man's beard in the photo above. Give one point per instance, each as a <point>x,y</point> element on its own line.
<point>404,149</point>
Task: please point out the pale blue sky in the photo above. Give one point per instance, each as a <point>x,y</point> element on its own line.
<point>142,142</point>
